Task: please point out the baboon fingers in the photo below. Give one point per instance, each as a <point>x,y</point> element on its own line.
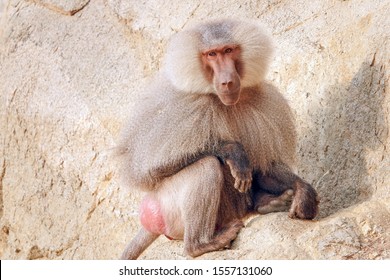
<point>242,176</point>
<point>242,185</point>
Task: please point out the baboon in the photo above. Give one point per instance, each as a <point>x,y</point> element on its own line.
<point>211,141</point>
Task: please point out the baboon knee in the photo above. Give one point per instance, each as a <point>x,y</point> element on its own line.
<point>211,169</point>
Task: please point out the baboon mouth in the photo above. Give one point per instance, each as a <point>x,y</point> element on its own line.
<point>230,103</point>
<point>229,98</point>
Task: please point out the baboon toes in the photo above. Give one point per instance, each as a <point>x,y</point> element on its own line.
<point>280,203</point>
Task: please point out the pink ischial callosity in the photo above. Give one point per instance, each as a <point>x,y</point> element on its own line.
<point>151,216</point>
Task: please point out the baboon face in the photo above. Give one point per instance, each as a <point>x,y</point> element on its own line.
<point>223,68</point>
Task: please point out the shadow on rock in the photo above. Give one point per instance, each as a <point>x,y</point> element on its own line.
<point>351,123</point>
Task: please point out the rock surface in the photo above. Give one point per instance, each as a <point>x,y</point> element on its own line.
<point>69,71</point>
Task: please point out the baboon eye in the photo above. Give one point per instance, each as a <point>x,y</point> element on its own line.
<point>228,50</point>
<point>212,54</point>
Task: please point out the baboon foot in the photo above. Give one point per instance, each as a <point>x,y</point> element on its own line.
<point>269,203</point>
<point>221,240</point>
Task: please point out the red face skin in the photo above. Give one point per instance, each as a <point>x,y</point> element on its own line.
<point>223,67</point>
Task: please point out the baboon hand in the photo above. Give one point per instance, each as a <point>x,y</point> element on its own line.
<point>242,176</point>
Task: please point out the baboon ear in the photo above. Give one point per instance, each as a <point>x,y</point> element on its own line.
<point>182,64</point>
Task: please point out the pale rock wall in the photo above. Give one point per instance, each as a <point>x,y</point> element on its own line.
<point>69,71</point>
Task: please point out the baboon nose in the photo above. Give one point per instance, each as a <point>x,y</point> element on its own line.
<point>227,84</point>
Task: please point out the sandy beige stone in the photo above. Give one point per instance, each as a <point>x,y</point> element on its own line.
<point>69,72</point>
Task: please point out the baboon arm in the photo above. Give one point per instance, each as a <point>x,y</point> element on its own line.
<point>230,153</point>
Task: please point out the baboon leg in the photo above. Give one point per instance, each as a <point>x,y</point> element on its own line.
<point>139,243</point>
<point>277,182</point>
<point>221,240</point>
<point>203,194</point>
